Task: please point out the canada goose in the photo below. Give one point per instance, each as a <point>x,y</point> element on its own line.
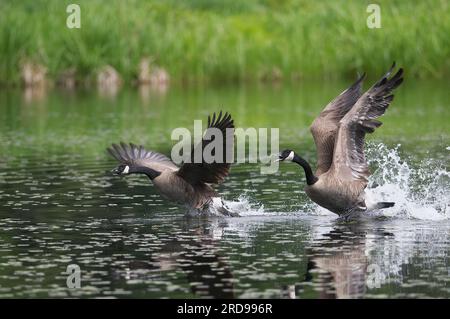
<point>342,171</point>
<point>189,184</point>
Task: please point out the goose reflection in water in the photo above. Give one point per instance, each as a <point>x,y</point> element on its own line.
<point>339,264</point>
<point>194,252</point>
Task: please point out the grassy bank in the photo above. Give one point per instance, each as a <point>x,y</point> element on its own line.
<point>201,40</point>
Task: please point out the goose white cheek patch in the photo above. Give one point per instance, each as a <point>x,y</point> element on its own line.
<point>126,170</point>
<point>290,157</point>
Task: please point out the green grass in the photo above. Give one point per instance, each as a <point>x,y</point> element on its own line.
<point>201,40</point>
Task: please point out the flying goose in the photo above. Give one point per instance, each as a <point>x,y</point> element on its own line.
<point>342,171</point>
<point>189,184</point>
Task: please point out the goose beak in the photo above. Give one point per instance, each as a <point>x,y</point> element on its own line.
<point>115,171</point>
<point>279,159</point>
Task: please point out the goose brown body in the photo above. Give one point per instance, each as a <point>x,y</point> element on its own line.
<point>336,195</point>
<point>174,188</point>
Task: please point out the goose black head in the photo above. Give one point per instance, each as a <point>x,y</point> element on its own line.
<point>122,169</point>
<point>286,156</point>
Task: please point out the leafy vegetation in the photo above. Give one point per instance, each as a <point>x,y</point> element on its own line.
<point>212,40</point>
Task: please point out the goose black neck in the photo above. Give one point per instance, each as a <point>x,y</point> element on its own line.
<point>151,173</point>
<point>310,177</point>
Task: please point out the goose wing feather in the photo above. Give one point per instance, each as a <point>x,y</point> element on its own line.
<point>349,161</point>
<point>216,171</point>
<point>138,155</point>
<point>324,128</point>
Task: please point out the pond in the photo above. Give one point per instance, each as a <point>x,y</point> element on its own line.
<point>60,205</point>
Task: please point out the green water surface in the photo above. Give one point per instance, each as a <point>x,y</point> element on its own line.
<point>59,204</point>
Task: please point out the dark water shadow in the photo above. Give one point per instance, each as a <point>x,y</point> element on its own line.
<point>194,251</point>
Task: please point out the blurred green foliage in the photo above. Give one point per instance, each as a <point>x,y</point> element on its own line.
<point>224,40</point>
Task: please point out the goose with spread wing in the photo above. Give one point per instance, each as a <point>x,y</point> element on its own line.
<point>339,131</point>
<point>190,184</point>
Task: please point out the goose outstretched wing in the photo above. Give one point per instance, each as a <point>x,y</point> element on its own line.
<point>201,170</point>
<point>139,156</point>
<point>325,127</point>
<point>349,162</point>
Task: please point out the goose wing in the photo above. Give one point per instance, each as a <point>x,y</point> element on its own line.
<point>137,155</point>
<point>349,162</point>
<point>325,126</point>
<point>214,172</point>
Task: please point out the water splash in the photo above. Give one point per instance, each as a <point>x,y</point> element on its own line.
<point>244,206</point>
<point>421,193</point>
